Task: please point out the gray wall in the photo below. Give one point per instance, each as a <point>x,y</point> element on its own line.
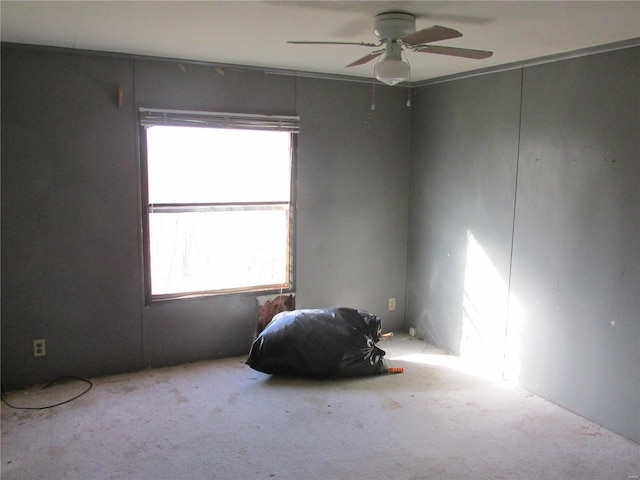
<point>576,253</point>
<point>353,183</point>
<point>541,164</point>
<point>70,228</point>
<point>71,214</point>
<point>465,141</point>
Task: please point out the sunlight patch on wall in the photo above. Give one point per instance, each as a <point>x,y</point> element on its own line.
<point>492,321</point>
<point>484,310</point>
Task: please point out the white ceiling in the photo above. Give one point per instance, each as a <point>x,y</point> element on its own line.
<point>255,32</point>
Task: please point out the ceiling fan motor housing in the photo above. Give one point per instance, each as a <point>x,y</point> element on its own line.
<point>394,25</point>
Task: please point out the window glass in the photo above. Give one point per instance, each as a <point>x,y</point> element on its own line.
<point>219,210</point>
<point>201,165</point>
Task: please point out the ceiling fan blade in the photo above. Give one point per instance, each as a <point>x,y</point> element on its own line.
<point>455,52</point>
<point>431,34</point>
<point>366,58</point>
<point>304,42</point>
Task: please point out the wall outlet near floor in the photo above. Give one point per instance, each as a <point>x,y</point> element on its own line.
<point>392,303</point>
<point>39,348</point>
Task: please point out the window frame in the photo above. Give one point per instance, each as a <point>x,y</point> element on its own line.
<point>194,120</point>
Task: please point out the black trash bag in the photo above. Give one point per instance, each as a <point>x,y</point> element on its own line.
<point>331,342</point>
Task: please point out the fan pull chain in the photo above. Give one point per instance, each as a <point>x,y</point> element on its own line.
<point>409,89</point>
<point>373,93</point>
<point>409,85</point>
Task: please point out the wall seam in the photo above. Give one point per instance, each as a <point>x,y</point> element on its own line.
<point>141,263</point>
<point>513,223</point>
<point>405,323</point>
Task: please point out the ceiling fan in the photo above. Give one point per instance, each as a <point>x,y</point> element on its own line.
<point>395,31</point>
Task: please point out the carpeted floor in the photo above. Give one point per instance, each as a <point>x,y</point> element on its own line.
<point>222,420</point>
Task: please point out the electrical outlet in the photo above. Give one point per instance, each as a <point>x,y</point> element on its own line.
<point>392,303</point>
<point>39,348</point>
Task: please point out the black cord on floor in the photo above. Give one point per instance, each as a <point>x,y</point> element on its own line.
<point>66,377</point>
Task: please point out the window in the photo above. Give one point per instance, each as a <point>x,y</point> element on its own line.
<point>219,213</point>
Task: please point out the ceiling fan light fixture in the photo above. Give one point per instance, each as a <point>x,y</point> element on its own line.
<point>396,31</point>
<point>392,72</point>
